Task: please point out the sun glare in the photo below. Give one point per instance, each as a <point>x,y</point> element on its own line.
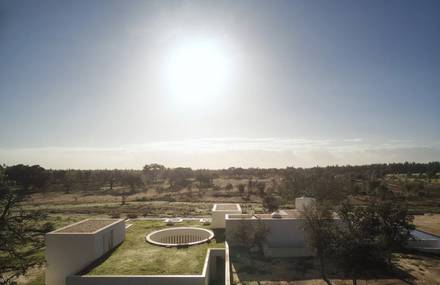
<point>197,71</point>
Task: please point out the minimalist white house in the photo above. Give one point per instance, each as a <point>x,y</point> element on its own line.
<point>72,251</point>
<point>302,202</point>
<point>72,248</point>
<point>219,211</point>
<point>285,235</point>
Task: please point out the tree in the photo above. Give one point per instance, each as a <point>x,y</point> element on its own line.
<point>21,232</point>
<point>179,177</point>
<point>251,235</point>
<point>229,187</point>
<point>123,198</point>
<point>355,248</point>
<point>368,235</point>
<point>250,185</point>
<point>271,203</point>
<point>261,186</point>
<point>241,188</point>
<point>67,178</point>
<point>153,172</point>
<point>132,180</point>
<point>318,224</point>
<point>205,179</point>
<point>395,225</point>
<point>29,177</point>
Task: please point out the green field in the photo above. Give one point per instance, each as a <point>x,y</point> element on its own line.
<point>137,257</point>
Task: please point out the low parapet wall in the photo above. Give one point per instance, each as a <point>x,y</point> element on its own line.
<point>138,280</point>
<point>228,269</point>
<point>202,279</point>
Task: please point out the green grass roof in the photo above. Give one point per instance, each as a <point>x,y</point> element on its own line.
<point>135,256</point>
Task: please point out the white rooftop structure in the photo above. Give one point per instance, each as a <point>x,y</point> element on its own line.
<point>219,211</point>
<point>302,202</point>
<point>72,248</point>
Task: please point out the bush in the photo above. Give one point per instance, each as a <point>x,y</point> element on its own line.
<point>115,214</point>
<point>132,215</point>
<point>168,198</point>
<point>142,199</point>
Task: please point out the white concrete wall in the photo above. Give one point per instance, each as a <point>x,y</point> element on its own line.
<point>228,268</point>
<point>69,253</point>
<point>302,202</point>
<point>218,216</point>
<point>138,280</point>
<point>285,237</point>
<point>109,238</point>
<point>282,232</point>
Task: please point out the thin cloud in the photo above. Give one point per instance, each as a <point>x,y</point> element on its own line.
<point>227,152</point>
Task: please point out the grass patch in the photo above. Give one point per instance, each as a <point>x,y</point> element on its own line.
<point>137,257</point>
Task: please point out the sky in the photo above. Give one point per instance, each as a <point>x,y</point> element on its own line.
<point>215,84</point>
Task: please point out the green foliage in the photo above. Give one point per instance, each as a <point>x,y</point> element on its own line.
<point>368,235</point>
<point>261,186</point>
<point>132,180</point>
<point>319,226</point>
<point>252,235</point>
<point>29,177</point>
<point>271,203</point>
<point>205,179</point>
<point>229,187</point>
<point>21,232</point>
<point>241,188</point>
<point>153,172</point>
<point>179,177</point>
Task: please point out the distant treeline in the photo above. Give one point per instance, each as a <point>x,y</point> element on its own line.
<point>292,180</point>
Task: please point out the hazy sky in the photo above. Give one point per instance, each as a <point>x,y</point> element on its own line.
<point>105,84</point>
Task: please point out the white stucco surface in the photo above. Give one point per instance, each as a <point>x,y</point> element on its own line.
<point>285,237</point>
<point>302,202</point>
<point>220,210</point>
<point>67,252</point>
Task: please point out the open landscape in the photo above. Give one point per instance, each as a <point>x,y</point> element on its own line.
<point>219,142</point>
<point>146,197</point>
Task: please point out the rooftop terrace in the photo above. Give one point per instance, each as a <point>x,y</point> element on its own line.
<point>87,226</point>
<point>226,207</point>
<point>135,256</point>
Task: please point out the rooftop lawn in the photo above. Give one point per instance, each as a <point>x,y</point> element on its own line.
<point>135,256</point>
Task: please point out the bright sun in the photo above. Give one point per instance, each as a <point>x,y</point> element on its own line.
<point>197,71</point>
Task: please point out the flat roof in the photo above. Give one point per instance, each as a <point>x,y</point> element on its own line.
<point>226,207</point>
<point>87,226</point>
<point>136,256</point>
<point>285,214</point>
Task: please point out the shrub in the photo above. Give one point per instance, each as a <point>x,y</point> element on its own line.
<point>132,215</point>
<point>115,214</point>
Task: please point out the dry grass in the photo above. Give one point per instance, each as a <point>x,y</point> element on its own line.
<point>88,226</point>
<point>253,270</point>
<point>429,223</point>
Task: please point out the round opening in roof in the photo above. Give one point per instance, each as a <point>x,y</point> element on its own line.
<point>181,236</point>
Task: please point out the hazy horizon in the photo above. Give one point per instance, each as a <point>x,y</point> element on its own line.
<point>204,84</point>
